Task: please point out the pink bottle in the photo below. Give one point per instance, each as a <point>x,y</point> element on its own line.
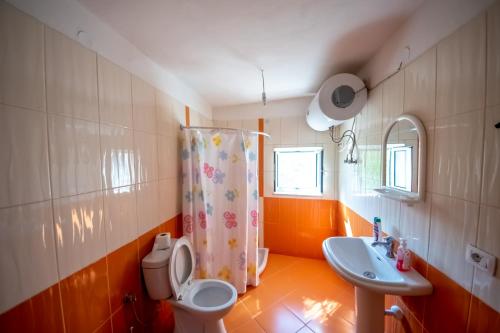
<point>403,256</point>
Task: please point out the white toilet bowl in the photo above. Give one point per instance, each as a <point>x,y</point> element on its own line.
<point>198,305</point>
<point>204,306</point>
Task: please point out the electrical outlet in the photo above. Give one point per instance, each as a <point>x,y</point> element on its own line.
<point>480,259</point>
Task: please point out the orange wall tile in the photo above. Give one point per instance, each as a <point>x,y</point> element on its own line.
<point>41,313</point>
<point>85,298</point>
<point>447,308</point>
<point>124,273</point>
<point>298,226</point>
<point>105,328</point>
<point>482,318</point>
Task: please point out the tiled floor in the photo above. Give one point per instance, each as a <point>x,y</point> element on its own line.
<point>295,295</point>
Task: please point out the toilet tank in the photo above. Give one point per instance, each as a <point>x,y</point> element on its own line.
<point>155,270</point>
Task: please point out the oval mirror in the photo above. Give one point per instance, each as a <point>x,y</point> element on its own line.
<point>404,156</point>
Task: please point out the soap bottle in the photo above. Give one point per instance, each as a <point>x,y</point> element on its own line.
<point>377,229</point>
<point>403,256</point>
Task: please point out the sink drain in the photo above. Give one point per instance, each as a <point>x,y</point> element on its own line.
<point>369,275</point>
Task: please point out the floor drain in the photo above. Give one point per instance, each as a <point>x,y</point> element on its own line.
<point>369,275</point>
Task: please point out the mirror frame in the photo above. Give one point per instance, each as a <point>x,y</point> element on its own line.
<point>390,192</point>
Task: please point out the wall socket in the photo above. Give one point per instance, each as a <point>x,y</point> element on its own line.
<point>480,259</point>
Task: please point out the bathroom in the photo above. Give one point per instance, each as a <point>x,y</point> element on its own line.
<point>106,108</point>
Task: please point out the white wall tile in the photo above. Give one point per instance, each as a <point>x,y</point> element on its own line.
<point>390,211</point>
<point>146,156</point>
<point>322,137</point>
<point>457,164</point>
<point>167,125</point>
<point>461,65</point>
<point>117,155</point>
<point>251,124</point>
<point>491,168</point>
<point>164,200</point>
<point>392,101</point>
<point>179,112</point>
<point>453,226</point>
<point>268,183</point>
<point>493,56</point>
<point>235,124</point>
<point>372,206</point>
<point>74,156</point>
<point>289,130</point>
<point>273,128</point>
<point>120,217</point>
<point>328,185</point>
<point>269,157</point>
<point>430,129</point>
<point>143,105</point>
<point>420,87</point>
<point>329,157</point>
<point>71,72</point>
<point>169,198</point>
<point>194,118</point>
<point>21,65</point>
<point>220,123</point>
<point>24,167</point>
<point>115,94</point>
<point>148,214</point>
<point>80,231</point>
<point>168,157</point>
<point>27,252</point>
<point>373,118</point>
<point>373,165</point>
<point>415,223</point>
<point>306,135</point>
<point>485,286</point>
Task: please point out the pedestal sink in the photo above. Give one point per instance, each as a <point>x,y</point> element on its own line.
<point>373,275</point>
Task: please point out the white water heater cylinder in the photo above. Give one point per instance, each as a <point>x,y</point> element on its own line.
<point>341,97</point>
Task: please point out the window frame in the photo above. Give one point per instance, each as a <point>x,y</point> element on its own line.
<point>319,189</point>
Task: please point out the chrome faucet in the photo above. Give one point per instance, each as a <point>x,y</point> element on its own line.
<point>388,246</point>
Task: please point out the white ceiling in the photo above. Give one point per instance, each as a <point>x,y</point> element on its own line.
<point>218,46</point>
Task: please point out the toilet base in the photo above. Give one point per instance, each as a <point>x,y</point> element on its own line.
<point>187,323</point>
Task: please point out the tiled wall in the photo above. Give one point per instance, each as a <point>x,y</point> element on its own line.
<point>298,227</point>
<point>89,174</point>
<point>454,89</point>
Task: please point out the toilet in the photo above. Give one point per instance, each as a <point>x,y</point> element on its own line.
<point>198,305</point>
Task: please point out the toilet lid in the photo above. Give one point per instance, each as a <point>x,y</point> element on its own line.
<point>181,268</point>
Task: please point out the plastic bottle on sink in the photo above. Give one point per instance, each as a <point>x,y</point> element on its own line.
<point>403,256</point>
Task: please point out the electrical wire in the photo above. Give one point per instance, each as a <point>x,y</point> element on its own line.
<point>350,135</point>
<point>137,317</point>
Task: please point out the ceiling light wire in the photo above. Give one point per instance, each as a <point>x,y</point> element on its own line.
<point>264,98</point>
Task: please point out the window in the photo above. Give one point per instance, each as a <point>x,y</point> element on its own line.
<point>399,171</point>
<point>298,171</point>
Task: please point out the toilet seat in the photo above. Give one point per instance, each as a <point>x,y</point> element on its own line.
<point>181,268</point>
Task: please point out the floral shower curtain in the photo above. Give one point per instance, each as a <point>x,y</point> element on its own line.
<point>220,203</point>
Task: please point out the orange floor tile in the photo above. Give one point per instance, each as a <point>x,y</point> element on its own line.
<point>295,295</point>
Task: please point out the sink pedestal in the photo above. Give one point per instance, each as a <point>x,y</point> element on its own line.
<point>370,307</point>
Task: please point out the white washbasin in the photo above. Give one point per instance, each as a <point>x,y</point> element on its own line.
<point>367,267</point>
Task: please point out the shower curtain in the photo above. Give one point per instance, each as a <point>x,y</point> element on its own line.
<point>220,203</point>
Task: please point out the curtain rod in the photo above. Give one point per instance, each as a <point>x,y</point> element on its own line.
<point>225,128</point>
